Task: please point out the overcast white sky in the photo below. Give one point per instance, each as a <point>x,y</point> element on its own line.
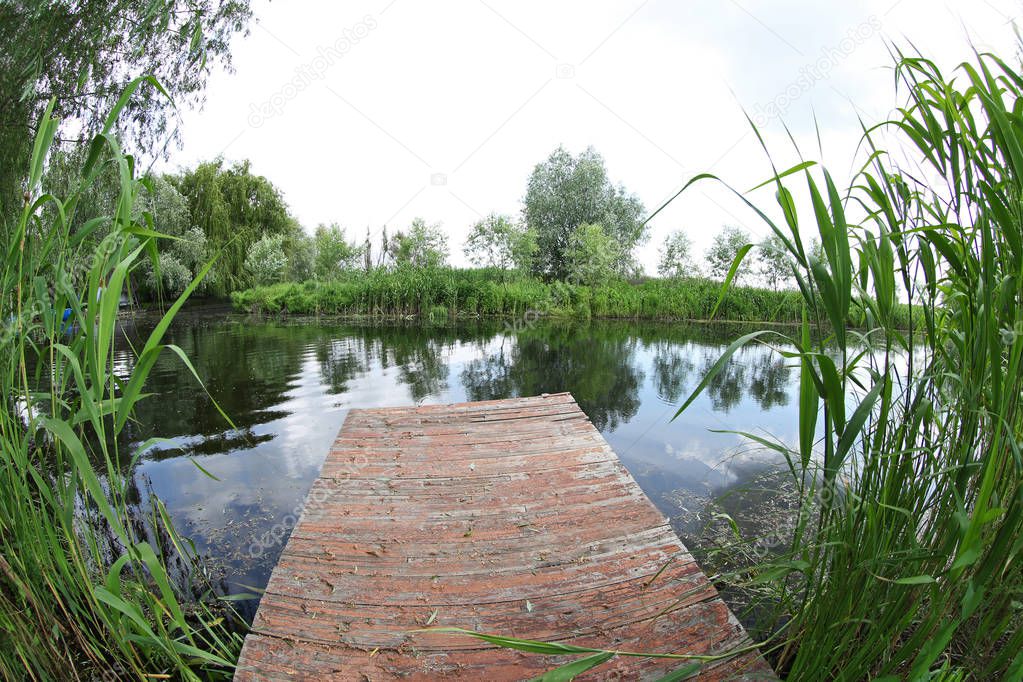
<point>374,112</point>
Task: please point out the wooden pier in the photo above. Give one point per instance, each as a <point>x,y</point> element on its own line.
<point>510,517</point>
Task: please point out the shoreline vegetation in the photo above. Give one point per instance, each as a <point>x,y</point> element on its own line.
<point>448,293</point>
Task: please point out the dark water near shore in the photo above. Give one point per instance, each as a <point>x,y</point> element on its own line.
<point>288,385</point>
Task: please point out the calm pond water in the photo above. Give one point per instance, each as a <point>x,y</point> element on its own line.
<point>287,386</point>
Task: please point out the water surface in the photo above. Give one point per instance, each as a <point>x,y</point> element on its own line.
<point>287,387</point>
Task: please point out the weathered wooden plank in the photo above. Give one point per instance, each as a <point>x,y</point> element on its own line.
<point>512,517</point>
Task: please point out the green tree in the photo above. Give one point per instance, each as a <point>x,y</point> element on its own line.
<point>159,197</point>
<point>567,191</point>
<point>300,249</point>
<point>182,256</point>
<point>193,251</point>
<point>63,173</point>
<point>235,209</point>
<point>592,255</point>
<point>334,254</point>
<point>523,249</point>
<point>722,251</point>
<point>775,262</point>
<point>498,242</point>
<point>83,54</point>
<point>817,251</point>
<point>423,246</point>
<point>676,259</point>
<point>166,206</point>
<point>491,242</point>
<point>266,262</point>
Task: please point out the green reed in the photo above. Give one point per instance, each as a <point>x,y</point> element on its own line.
<point>487,293</point>
<point>902,561</point>
<point>81,594</point>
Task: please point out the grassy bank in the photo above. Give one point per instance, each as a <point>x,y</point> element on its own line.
<point>488,293</point>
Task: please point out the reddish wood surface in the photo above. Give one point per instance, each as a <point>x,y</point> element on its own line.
<point>509,517</point>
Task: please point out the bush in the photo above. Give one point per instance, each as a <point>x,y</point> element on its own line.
<point>266,262</point>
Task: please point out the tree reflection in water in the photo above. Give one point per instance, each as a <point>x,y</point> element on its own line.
<point>596,363</point>
<point>672,367</point>
<point>754,371</point>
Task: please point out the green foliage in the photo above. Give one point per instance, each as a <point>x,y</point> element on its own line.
<point>592,256</point>
<point>63,174</point>
<point>524,249</point>
<point>235,209</point>
<point>676,259</point>
<point>567,191</point>
<point>817,254</point>
<point>173,278</point>
<point>901,560</point>
<point>775,262</point>
<point>227,211</point>
<point>158,205</point>
<point>158,199</point>
<point>266,262</point>
<point>722,252</point>
<point>487,292</point>
<point>333,252</point>
<point>423,246</point>
<point>168,209</point>
<point>85,587</point>
<point>497,242</point>
<point>192,250</point>
<point>180,261</point>
<point>300,249</point>
<point>83,54</point>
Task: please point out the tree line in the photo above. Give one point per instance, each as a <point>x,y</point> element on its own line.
<point>770,264</point>
<point>575,226</point>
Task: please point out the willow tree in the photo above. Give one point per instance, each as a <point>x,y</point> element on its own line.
<point>83,54</point>
<point>158,201</point>
<point>235,209</point>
